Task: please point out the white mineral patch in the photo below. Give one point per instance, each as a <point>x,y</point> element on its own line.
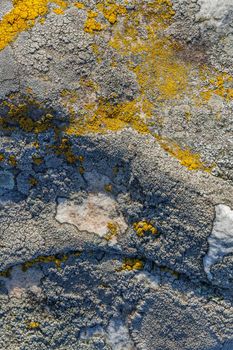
<point>221,238</point>
<point>93,214</point>
<point>20,281</point>
<point>214,11</point>
<point>118,336</point>
<point>152,281</point>
<point>89,332</point>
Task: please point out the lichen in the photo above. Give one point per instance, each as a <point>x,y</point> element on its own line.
<point>58,11</point>
<point>79,5</point>
<point>37,160</point>
<point>111,10</point>
<point>144,227</point>
<point>218,83</point>
<point>65,149</point>
<point>106,116</point>
<point>12,160</point>
<point>91,24</point>
<point>159,71</point>
<point>113,230</point>
<point>55,259</point>
<point>130,264</point>
<point>32,181</point>
<point>185,156</point>
<point>22,17</point>
<point>19,115</point>
<point>6,273</point>
<point>108,187</point>
<point>33,325</point>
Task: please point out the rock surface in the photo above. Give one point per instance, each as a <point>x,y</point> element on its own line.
<point>116,175</point>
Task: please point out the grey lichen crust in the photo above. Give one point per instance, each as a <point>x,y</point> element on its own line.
<point>116,195</point>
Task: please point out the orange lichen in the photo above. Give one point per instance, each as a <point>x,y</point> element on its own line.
<point>111,10</point>
<point>58,11</point>
<point>91,24</point>
<point>81,170</point>
<point>143,227</point>
<point>6,273</point>
<point>23,16</point>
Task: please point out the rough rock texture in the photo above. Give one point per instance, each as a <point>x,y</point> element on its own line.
<point>116,175</point>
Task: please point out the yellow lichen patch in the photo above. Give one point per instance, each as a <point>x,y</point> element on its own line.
<point>143,227</point>
<point>42,20</point>
<point>61,3</point>
<point>111,10</point>
<point>107,116</point>
<point>22,17</point>
<point>79,5</point>
<point>45,259</point>
<point>19,116</point>
<point>37,160</point>
<point>65,149</point>
<point>113,230</point>
<point>81,170</point>
<point>12,160</point>
<point>130,264</point>
<point>220,84</point>
<point>160,73</point>
<point>6,273</point>
<point>186,157</point>
<point>32,181</point>
<point>33,325</point>
<point>91,24</point>
<point>58,11</point>
<point>108,187</point>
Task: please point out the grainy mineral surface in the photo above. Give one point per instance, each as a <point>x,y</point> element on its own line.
<point>116,175</point>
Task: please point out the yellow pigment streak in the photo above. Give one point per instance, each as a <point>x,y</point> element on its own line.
<point>22,17</point>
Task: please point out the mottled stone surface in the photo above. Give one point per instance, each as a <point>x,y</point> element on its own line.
<point>116,172</point>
